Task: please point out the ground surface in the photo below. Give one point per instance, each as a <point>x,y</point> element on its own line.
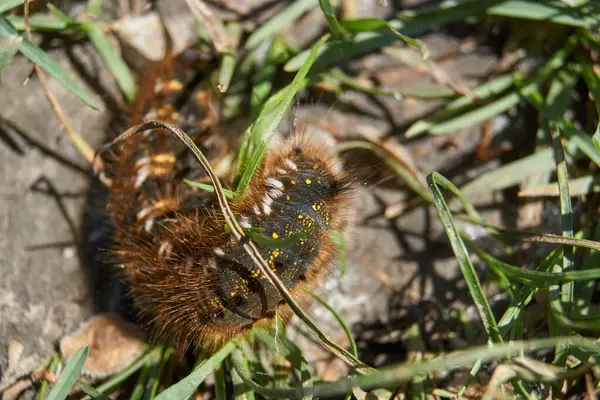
<point>400,271</point>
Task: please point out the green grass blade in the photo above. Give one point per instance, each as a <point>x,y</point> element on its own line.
<point>512,173</point>
<point>279,22</point>
<point>90,391</point>
<point>366,42</point>
<point>537,278</point>
<point>566,291</point>
<point>209,188</point>
<point>188,385</point>
<point>551,11</point>
<point>393,376</point>
<point>381,26</point>
<point>461,253</point>
<point>483,92</point>
<point>39,22</point>
<point>94,8</point>
<point>131,369</point>
<point>9,46</point>
<point>38,56</point>
<point>114,62</point>
<point>340,320</point>
<point>9,5</point>
<point>154,379</point>
<point>69,375</point>
<point>241,390</point>
<point>220,384</point>
<point>266,125</point>
<point>336,29</point>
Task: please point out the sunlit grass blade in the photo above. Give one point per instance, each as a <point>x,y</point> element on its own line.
<point>336,29</point>
<point>38,56</point>
<point>481,93</point>
<point>279,22</point>
<point>577,187</point>
<point>188,385</point>
<point>512,173</point>
<point>69,375</point>
<point>9,5</point>
<point>114,62</point>
<point>9,46</point>
<point>266,125</point>
<point>552,11</point>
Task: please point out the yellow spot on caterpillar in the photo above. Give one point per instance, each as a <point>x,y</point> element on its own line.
<point>275,235</point>
<point>287,197</point>
<point>308,181</point>
<point>300,216</point>
<point>293,181</point>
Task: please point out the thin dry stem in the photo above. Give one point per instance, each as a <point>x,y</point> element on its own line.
<point>78,141</point>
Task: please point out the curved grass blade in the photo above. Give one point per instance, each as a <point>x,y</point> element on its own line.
<point>241,390</point>
<point>266,125</point>
<point>381,26</point>
<point>336,29</point>
<point>188,385</point>
<point>220,384</point>
<point>41,58</point>
<point>69,375</point>
<point>366,42</point>
<point>340,320</point>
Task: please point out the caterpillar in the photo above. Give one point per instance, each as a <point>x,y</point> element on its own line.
<point>193,284</point>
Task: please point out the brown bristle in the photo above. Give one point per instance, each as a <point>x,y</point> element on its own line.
<point>192,282</point>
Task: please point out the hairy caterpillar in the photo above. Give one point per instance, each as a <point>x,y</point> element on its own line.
<point>192,282</point>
